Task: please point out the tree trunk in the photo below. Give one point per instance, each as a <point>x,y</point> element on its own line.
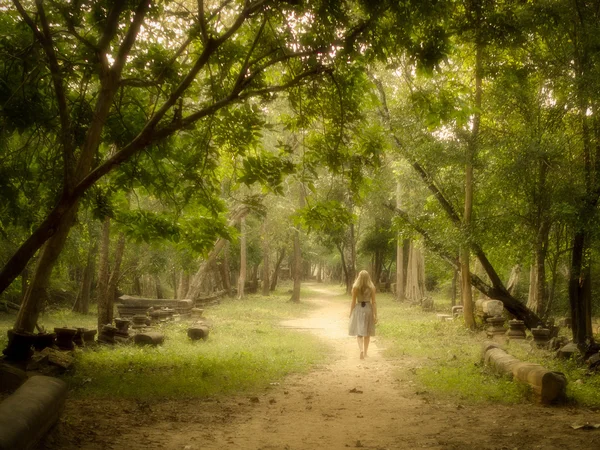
<point>453,288</point>
<point>82,304</point>
<point>298,267</point>
<point>24,282</point>
<point>113,281</point>
<point>352,261</point>
<point>297,275</point>
<point>415,276</point>
<point>158,289</point>
<point>512,285</point>
<point>532,296</point>
<point>277,266</point>
<point>320,272</point>
<point>36,294</point>
<point>242,279</point>
<point>265,273</point>
<point>578,294</point>
<point>103,275</point>
<point>195,290</point>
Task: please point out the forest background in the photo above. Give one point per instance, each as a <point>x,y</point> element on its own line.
<point>168,148</point>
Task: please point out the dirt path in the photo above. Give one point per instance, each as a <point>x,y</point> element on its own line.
<point>350,403</point>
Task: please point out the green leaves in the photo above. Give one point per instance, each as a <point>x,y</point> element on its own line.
<point>266,169</point>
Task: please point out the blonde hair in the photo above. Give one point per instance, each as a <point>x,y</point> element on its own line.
<point>363,281</point>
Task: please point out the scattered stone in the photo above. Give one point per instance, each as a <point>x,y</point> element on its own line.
<point>197,313</point>
<point>355,391</point>
<point>19,346</point>
<point>140,321</point>
<point>149,338</point>
<point>198,332</point>
<point>457,310</point>
<point>30,412</point>
<point>585,426</point>
<point>541,336</point>
<point>492,308</point>
<point>43,340</point>
<point>567,351</point>
<point>57,358</point>
<point>107,334</point>
<point>64,338</point>
<point>516,329</point>
<point>254,400</point>
<point>495,327</point>
<point>594,362</point>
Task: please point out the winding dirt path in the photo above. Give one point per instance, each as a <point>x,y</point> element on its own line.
<point>350,403</point>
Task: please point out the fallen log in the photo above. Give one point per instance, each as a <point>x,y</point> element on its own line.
<point>548,387</point>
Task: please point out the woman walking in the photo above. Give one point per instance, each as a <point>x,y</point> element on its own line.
<point>363,312</point>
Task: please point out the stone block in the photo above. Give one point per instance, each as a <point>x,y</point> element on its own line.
<point>27,414</point>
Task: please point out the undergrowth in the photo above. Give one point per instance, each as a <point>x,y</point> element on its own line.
<point>246,350</point>
<point>583,387</point>
<point>447,355</point>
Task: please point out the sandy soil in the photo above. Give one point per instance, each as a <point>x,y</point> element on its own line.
<point>350,403</point>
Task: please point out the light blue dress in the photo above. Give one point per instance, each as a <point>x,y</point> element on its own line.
<point>362,322</point>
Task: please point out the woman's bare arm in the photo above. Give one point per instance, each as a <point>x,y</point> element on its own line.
<point>374,303</point>
<point>353,304</point>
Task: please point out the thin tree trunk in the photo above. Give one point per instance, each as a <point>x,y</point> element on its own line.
<point>298,267</point>
<point>103,275</point>
<point>82,304</point>
<point>184,284</point>
<point>297,275</point>
<point>24,282</point>
<point>265,273</point>
<point>277,267</point>
<point>197,282</point>
<point>400,266</point>
<point>453,293</point>
<point>243,259</point>
<point>532,299</point>
<point>36,294</point>
<point>158,287</point>
<point>113,281</point>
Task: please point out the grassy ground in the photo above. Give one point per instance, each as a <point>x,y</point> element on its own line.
<point>450,358</point>
<point>245,351</point>
<point>447,355</point>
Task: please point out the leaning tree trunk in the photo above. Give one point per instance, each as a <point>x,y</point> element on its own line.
<point>199,279</point>
<point>36,294</point>
<point>243,260</point>
<point>277,267</point>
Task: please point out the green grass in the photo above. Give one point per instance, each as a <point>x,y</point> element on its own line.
<point>447,354</point>
<point>246,350</point>
<point>583,387</point>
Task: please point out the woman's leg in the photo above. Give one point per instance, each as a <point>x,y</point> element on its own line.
<point>360,341</point>
<point>366,341</point>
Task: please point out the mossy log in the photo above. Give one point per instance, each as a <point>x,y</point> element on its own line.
<point>547,386</point>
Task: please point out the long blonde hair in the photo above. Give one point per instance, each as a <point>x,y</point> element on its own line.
<point>363,281</point>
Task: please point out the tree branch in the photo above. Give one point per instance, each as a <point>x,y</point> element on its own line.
<point>45,39</point>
